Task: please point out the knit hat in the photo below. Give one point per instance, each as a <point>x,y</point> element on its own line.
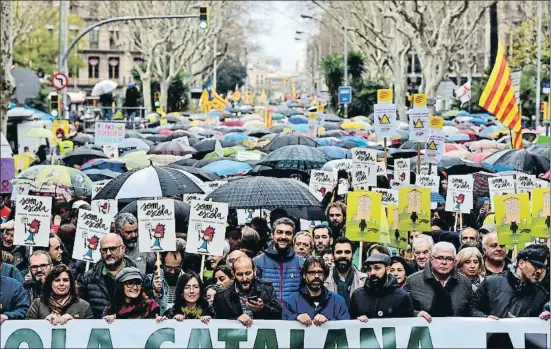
<point>129,273</point>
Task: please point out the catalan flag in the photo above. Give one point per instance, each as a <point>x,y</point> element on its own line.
<point>236,94</point>
<point>245,97</point>
<point>215,99</point>
<point>499,99</point>
<point>204,100</point>
<point>262,98</point>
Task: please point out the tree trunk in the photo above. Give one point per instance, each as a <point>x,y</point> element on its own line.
<point>146,91</point>
<point>165,84</point>
<point>7,82</point>
<point>400,85</point>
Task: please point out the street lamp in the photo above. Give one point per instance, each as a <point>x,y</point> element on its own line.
<point>326,26</point>
<point>318,87</point>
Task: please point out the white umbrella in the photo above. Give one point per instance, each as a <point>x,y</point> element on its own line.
<point>450,130</point>
<point>104,87</point>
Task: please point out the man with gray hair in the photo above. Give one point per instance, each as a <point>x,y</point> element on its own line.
<point>495,255</point>
<point>439,290</point>
<point>421,247</point>
<point>279,263</point>
<point>303,244</point>
<point>126,225</point>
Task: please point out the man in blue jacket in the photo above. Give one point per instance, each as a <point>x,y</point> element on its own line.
<point>314,303</point>
<point>14,302</point>
<point>279,264</point>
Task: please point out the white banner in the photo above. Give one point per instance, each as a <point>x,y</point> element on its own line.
<point>207,228</point>
<point>384,333</point>
<point>32,220</point>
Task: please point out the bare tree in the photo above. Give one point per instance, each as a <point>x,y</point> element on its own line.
<point>7,82</point>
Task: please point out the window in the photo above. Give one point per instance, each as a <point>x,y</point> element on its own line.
<point>113,37</point>
<point>93,67</point>
<point>93,36</point>
<point>114,67</point>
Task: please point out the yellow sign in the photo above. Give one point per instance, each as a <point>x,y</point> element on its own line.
<point>418,124</point>
<point>546,111</point>
<point>432,146</point>
<point>384,120</point>
<point>419,100</point>
<point>384,95</point>
<point>436,123</point>
<point>414,209</point>
<point>163,121</point>
<point>513,220</point>
<point>540,212</point>
<point>321,107</point>
<point>312,116</point>
<point>363,216</point>
<point>21,162</point>
<point>65,147</point>
<point>398,239</point>
<point>321,131</point>
<point>287,130</point>
<point>57,125</point>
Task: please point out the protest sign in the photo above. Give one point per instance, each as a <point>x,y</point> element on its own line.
<point>419,124</point>
<point>429,181</point>
<point>442,332</point>
<point>398,238</point>
<point>512,217</point>
<point>389,196</point>
<point>32,220</point>
<point>414,209</point>
<point>187,198</point>
<point>524,183</point>
<point>459,197</point>
<point>321,182</point>
<point>98,186</point>
<point>540,212</point>
<point>384,116</point>
<point>245,216</point>
<point>363,216</point>
<point>207,228</point>
<point>157,226</point>
<point>108,133</point>
<point>502,185</point>
<point>7,173</point>
<point>434,149</point>
<point>105,206</point>
<point>91,226</point>
<point>215,184</point>
<point>363,156</point>
<point>402,171</point>
<point>111,150</point>
<point>361,179</point>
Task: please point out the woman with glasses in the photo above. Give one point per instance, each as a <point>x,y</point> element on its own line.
<point>469,263</point>
<point>59,302</point>
<point>190,300</point>
<point>129,300</point>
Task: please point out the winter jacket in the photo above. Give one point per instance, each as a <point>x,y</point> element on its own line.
<point>80,309</point>
<point>14,302</point>
<point>92,288</point>
<point>427,293</point>
<point>20,258</point>
<point>332,306</point>
<point>10,271</point>
<point>228,306</point>
<point>391,301</point>
<point>500,294</point>
<point>357,281</point>
<point>33,289</point>
<point>282,270</point>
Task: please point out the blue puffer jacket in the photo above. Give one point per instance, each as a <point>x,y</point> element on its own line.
<point>332,306</point>
<point>283,270</point>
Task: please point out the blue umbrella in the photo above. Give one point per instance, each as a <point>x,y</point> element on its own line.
<point>463,113</point>
<point>227,167</point>
<point>298,119</point>
<point>105,164</point>
<point>213,113</point>
<point>335,153</point>
<point>325,142</point>
<point>459,137</point>
<point>303,128</point>
<point>491,129</point>
<point>235,136</point>
<point>477,122</point>
<point>436,197</point>
<point>360,141</point>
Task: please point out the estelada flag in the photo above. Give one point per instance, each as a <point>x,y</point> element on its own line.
<point>499,99</point>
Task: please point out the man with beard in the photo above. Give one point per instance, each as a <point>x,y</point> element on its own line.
<point>514,293</point>
<point>322,239</point>
<point>41,265</point>
<point>97,285</point>
<point>421,247</point>
<point>381,296</point>
<point>279,264</point>
<point>314,303</point>
<point>336,215</point>
<point>495,255</point>
<point>126,226</point>
<point>20,254</point>
<point>344,278</point>
<point>247,297</point>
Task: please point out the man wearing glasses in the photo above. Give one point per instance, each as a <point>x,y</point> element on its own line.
<point>97,285</point>
<point>314,303</point>
<point>421,247</point>
<point>40,267</point>
<point>439,290</point>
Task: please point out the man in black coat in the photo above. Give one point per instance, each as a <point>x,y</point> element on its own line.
<point>247,297</point>
<point>514,293</point>
<point>439,290</point>
<point>381,296</point>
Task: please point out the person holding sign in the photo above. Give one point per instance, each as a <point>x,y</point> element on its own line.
<point>59,302</point>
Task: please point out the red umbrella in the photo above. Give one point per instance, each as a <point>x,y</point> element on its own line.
<point>546,175</point>
<point>234,123</point>
<point>454,146</point>
<point>165,132</point>
<point>467,131</point>
<point>479,157</point>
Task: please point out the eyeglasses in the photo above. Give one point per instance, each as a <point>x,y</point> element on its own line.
<point>448,259</point>
<point>133,283</point>
<point>315,272</point>
<point>175,269</point>
<point>417,253</point>
<point>111,249</point>
<point>41,267</point>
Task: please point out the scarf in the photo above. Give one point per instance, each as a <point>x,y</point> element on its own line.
<point>192,313</point>
<point>143,308</point>
<point>58,305</point>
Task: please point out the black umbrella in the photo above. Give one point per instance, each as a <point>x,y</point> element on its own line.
<point>277,128</point>
<point>299,157</point>
<point>334,133</point>
<point>207,145</point>
<point>284,140</point>
<point>172,148</point>
<point>346,144</point>
<point>82,138</point>
<point>265,192</point>
<point>81,155</point>
<point>185,162</point>
<point>155,138</point>
<point>332,126</point>
<point>181,126</point>
<point>519,160</point>
<point>134,134</point>
<point>540,150</point>
<point>412,145</point>
<point>205,162</point>
<point>151,181</point>
<point>199,173</point>
<point>402,153</point>
<point>181,213</point>
<point>179,134</point>
<point>330,117</point>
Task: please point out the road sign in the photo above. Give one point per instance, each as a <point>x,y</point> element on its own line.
<point>60,81</point>
<point>345,95</point>
<point>546,88</point>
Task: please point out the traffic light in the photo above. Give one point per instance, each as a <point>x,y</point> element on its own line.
<point>54,102</point>
<point>203,17</point>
